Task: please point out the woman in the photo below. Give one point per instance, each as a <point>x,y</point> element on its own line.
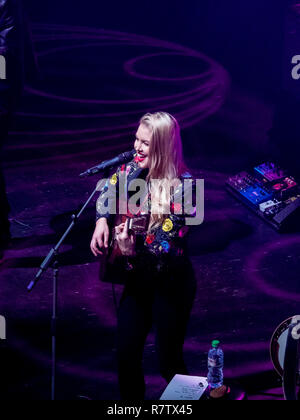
<point>160,287</point>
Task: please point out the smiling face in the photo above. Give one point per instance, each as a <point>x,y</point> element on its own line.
<point>142,144</point>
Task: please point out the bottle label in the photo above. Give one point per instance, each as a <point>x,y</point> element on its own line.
<point>212,362</point>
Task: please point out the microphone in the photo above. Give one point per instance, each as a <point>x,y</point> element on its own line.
<point>107,164</point>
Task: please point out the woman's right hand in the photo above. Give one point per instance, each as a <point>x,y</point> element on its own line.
<point>100,237</point>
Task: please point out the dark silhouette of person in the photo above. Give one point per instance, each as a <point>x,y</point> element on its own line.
<point>14,43</point>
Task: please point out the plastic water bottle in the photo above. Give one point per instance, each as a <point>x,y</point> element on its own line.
<point>215,364</point>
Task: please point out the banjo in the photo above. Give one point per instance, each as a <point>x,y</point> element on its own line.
<point>285,355</point>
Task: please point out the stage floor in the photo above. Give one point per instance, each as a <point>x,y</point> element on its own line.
<point>247,273</point>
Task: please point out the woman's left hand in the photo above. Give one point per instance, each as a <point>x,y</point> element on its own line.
<point>125,240</point>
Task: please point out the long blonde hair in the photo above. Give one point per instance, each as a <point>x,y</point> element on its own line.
<point>166,163</point>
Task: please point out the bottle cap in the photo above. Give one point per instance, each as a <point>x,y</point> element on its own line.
<point>215,343</point>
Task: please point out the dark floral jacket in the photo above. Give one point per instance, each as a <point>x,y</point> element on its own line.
<point>166,239</point>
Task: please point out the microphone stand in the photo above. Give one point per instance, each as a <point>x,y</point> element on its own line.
<point>52,260</point>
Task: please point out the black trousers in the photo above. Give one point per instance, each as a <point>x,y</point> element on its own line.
<point>4,205</point>
<point>165,300</point>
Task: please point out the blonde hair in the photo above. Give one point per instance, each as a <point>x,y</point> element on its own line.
<point>166,163</point>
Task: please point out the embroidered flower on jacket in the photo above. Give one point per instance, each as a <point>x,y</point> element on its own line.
<point>167,225</point>
<point>150,238</point>
<point>165,246</point>
<point>114,179</point>
<point>176,208</point>
<point>183,231</point>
